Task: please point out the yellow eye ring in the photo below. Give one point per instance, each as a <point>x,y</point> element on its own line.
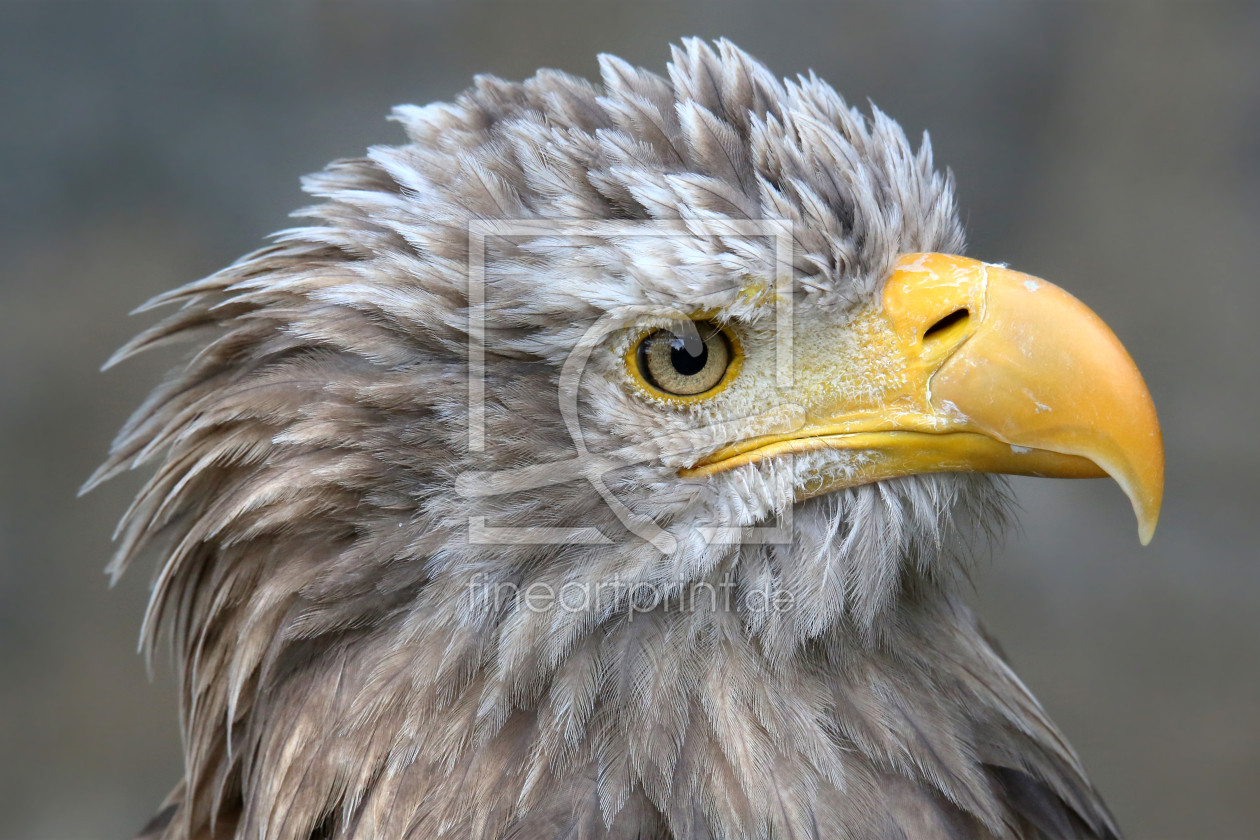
<point>687,368</point>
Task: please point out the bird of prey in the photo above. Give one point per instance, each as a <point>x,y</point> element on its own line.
<point>603,462</point>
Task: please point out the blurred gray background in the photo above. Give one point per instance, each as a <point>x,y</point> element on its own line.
<point>1113,148</point>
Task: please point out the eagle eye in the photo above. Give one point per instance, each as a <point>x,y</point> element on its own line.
<point>689,362</point>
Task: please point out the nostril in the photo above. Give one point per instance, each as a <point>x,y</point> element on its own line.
<point>958,316</point>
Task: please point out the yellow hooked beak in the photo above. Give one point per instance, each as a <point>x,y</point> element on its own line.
<point>970,367</point>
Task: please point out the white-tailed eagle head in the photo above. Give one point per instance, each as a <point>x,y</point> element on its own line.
<point>604,448</point>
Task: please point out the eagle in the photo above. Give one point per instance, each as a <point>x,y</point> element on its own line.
<point>606,461</point>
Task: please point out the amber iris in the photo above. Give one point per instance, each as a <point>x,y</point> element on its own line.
<point>687,361</point>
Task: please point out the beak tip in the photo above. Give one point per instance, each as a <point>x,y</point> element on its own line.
<point>1147,519</point>
<point>1147,497</point>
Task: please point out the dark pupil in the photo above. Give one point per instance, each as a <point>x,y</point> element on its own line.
<point>683,361</point>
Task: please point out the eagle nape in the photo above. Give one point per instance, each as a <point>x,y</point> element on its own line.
<point>596,464</point>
